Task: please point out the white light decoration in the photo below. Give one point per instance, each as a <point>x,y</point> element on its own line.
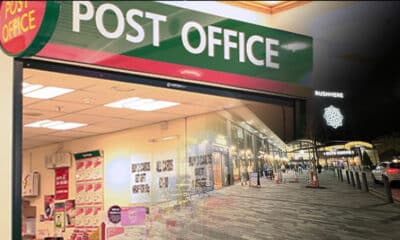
<point>333,117</point>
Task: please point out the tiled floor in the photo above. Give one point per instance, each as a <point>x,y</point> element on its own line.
<point>280,211</point>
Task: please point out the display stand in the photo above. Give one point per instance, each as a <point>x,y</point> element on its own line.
<point>89,193</point>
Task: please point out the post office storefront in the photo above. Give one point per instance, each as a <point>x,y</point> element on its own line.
<point>124,107</point>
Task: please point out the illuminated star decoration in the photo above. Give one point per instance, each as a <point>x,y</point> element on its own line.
<point>333,117</point>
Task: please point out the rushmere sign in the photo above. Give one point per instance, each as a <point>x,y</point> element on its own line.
<point>328,94</point>
<point>159,39</point>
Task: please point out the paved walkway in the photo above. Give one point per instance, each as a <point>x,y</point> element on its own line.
<point>378,188</point>
<point>280,211</point>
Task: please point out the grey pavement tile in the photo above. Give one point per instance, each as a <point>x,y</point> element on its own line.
<point>283,211</point>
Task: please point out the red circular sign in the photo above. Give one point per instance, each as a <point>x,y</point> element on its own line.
<point>20,24</point>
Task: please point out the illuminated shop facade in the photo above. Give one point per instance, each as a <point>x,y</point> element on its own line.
<point>125,106</point>
<point>347,155</point>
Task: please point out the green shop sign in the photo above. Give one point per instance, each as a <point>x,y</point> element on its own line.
<point>83,155</point>
<point>167,41</point>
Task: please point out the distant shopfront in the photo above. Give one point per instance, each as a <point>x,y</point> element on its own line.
<point>348,155</point>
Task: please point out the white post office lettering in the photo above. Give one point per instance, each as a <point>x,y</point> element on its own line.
<point>90,12</point>
<point>211,40</point>
<point>229,40</point>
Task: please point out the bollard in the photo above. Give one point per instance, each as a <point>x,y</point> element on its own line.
<point>365,182</point>
<point>388,190</point>
<point>358,180</point>
<point>347,176</point>
<point>341,175</point>
<point>352,179</point>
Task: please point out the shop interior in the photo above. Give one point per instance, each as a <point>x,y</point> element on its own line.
<point>90,144</point>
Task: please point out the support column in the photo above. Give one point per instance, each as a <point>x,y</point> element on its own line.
<point>6,106</point>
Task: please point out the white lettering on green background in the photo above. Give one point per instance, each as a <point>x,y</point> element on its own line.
<point>209,39</point>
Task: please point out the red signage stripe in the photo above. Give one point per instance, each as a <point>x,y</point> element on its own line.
<point>87,56</point>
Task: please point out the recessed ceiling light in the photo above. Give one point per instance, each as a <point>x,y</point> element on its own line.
<point>67,126</point>
<point>48,92</point>
<point>141,104</point>
<point>51,124</point>
<point>56,125</point>
<point>41,92</point>
<point>270,3</point>
<point>37,124</point>
<point>27,87</point>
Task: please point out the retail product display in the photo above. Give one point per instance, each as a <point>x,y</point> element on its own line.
<point>49,207</point>
<point>70,213</point>
<point>30,185</point>
<point>59,219</point>
<point>29,227</point>
<point>126,223</point>
<point>89,190</point>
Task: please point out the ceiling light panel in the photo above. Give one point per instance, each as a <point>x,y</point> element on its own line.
<point>41,92</point>
<point>141,104</point>
<point>270,3</point>
<point>67,126</point>
<point>55,125</point>
<point>48,92</point>
<point>38,124</point>
<point>27,87</point>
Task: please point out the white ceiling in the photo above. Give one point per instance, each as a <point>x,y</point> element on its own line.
<point>85,105</point>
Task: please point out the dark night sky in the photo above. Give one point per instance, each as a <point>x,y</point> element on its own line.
<point>357,51</point>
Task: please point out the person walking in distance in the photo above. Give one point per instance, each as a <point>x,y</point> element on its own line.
<point>265,169</point>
